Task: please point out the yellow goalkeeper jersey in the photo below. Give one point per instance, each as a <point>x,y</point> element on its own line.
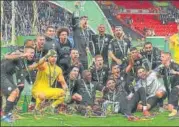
<point>46,76</point>
<point>174,45</point>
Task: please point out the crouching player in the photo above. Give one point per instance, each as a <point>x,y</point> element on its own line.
<point>114,98</point>
<point>148,89</point>
<point>8,87</point>
<point>154,89</point>
<point>47,74</point>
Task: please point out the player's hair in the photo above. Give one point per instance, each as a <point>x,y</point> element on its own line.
<point>113,64</point>
<point>147,43</point>
<point>39,35</point>
<point>98,56</point>
<point>48,27</point>
<point>71,68</point>
<point>84,72</point>
<point>132,49</point>
<point>29,47</point>
<point>59,31</point>
<point>27,41</point>
<point>166,53</point>
<point>140,67</point>
<point>110,78</point>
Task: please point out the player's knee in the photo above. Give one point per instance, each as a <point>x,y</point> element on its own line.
<point>170,107</point>
<point>160,93</point>
<point>41,96</point>
<point>77,97</point>
<point>60,93</point>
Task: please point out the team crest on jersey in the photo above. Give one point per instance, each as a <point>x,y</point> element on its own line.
<point>138,62</point>
<point>106,39</point>
<point>9,88</point>
<point>122,78</point>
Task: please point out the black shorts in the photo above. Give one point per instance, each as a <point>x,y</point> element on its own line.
<point>7,85</point>
<point>152,101</point>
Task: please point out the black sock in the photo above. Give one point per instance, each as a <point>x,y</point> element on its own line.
<point>9,107</point>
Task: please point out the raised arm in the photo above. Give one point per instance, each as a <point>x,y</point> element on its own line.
<point>76,15</point>
<point>15,55</point>
<point>42,60</point>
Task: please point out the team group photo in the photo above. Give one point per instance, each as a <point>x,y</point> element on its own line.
<point>89,63</point>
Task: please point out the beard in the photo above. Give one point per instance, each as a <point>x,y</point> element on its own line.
<point>149,52</point>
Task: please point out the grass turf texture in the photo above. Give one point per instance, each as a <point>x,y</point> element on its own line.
<point>28,119</point>
<point>76,120</point>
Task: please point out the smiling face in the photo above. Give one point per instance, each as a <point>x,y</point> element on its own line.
<point>118,32</point>
<point>142,73</point>
<point>111,84</point>
<point>74,73</point>
<point>87,75</point>
<point>148,48</point>
<point>50,32</point>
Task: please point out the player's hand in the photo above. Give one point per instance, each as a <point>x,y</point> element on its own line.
<point>174,72</point>
<point>51,52</point>
<point>23,55</point>
<point>118,61</point>
<point>131,60</point>
<point>129,97</point>
<point>67,96</point>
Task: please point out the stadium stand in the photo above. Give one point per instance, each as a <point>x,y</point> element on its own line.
<point>175,3</point>
<point>141,21</point>
<point>134,5</point>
